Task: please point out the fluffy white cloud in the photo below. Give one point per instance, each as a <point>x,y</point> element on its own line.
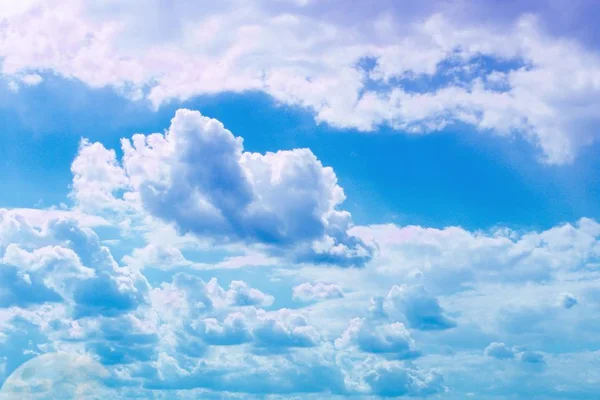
<point>97,177</point>
<point>233,330</point>
<point>392,340</point>
<point>198,177</point>
<point>318,291</point>
<point>499,351</point>
<point>197,295</point>
<point>543,87</point>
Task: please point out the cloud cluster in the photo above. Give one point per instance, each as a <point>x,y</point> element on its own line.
<point>63,293</point>
<point>61,261</point>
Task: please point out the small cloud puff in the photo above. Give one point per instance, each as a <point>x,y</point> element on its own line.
<point>532,357</point>
<point>319,291</point>
<point>499,351</point>
<point>391,340</point>
<point>567,300</point>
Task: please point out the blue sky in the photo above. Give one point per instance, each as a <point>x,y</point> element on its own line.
<point>289,199</point>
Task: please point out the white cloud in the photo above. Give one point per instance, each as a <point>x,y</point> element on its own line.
<point>198,177</point>
<point>452,258</point>
<point>283,329</point>
<point>391,379</point>
<point>32,79</point>
<point>550,88</point>
<point>392,340</point>
<point>194,295</point>
<point>318,291</point>
<point>233,330</point>
<point>420,309</point>
<point>499,351</point>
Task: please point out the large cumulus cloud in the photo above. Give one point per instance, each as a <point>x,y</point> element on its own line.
<point>198,177</point>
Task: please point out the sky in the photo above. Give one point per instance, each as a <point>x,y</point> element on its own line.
<point>299,199</point>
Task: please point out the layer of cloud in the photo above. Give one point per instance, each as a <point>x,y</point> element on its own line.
<point>506,78</point>
<point>63,293</point>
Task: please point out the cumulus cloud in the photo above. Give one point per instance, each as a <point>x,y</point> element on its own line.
<point>533,361</point>
<point>420,309</point>
<point>391,379</point>
<point>499,351</point>
<point>251,375</point>
<point>233,330</point>
<point>200,295</point>
<point>240,294</point>
<point>319,291</point>
<point>539,86</point>
<point>284,329</point>
<point>66,263</point>
<point>392,340</point>
<point>198,177</point>
<point>567,300</point>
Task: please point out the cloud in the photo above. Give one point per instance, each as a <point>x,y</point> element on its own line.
<point>183,333</point>
<point>234,330</point>
<point>452,259</point>
<point>319,291</point>
<point>421,310</point>
<point>567,300</point>
<point>290,374</point>
<point>57,376</point>
<point>241,294</point>
<point>284,329</point>
<point>19,289</point>
<point>124,339</point>
<point>392,340</point>
<point>391,379</point>
<point>210,295</point>
<point>499,351</point>
<point>198,177</point>
<point>97,177</point>
<point>501,77</point>
<point>533,361</point>
<point>66,263</point>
